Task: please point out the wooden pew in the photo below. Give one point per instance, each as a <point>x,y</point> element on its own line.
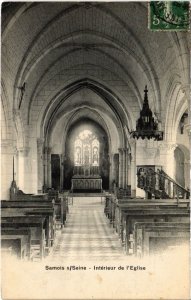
<point>61,206</point>
<point>51,211</point>
<point>47,213</point>
<point>35,207</point>
<point>20,195</point>
<point>36,224</point>
<point>16,240</point>
<point>53,195</point>
<point>26,203</point>
<point>120,206</point>
<point>148,215</point>
<point>165,231</point>
<point>64,208</point>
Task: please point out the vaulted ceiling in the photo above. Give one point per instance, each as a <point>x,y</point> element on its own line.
<point>59,48</point>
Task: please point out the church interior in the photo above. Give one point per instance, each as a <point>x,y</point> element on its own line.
<point>95,132</point>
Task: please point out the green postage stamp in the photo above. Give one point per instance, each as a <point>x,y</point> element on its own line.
<point>169,15</point>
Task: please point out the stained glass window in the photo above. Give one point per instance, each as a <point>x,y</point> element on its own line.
<point>86,149</point>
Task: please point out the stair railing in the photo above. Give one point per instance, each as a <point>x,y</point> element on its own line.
<point>157,182</point>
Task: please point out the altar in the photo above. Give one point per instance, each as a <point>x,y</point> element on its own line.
<point>86,173</point>
<point>86,184</point>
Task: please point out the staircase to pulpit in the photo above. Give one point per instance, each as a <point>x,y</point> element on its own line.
<point>156,183</point>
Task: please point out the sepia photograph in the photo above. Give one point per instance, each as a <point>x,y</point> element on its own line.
<point>95,150</point>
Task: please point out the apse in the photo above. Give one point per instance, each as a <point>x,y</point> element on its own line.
<point>86,152</point>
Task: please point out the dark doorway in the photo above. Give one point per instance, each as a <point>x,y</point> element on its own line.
<point>179,161</point>
<point>55,171</point>
<point>116,168</point>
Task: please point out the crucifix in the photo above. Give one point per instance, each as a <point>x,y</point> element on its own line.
<point>22,88</point>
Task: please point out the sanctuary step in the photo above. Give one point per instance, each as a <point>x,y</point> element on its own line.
<point>85,195</point>
<point>87,235</point>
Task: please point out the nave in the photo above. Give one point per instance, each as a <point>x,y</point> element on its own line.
<point>87,234</point>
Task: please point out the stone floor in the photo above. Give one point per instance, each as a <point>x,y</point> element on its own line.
<point>87,234</point>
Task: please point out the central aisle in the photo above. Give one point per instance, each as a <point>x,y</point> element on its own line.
<point>87,234</point>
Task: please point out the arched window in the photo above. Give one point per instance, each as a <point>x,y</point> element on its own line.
<point>78,152</point>
<point>86,149</point>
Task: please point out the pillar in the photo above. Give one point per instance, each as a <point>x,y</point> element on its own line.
<point>120,168</point>
<point>129,168</point>
<point>167,157</point>
<point>47,167</point>
<point>61,172</point>
<point>24,170</point>
<point>126,166</point>
<point>133,168</point>
<point>7,152</point>
<point>187,173</point>
<point>40,180</point>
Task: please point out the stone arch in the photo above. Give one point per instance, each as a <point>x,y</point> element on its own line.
<point>151,72</point>
<point>107,95</point>
<point>175,106</point>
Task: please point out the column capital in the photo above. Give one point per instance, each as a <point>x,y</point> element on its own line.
<point>7,147</point>
<point>123,149</point>
<point>16,113</point>
<point>185,88</point>
<point>40,141</point>
<point>24,151</point>
<point>47,150</point>
<point>165,146</point>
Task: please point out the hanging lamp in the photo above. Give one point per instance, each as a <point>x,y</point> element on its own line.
<point>146,125</point>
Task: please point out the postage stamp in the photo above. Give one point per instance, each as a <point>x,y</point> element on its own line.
<point>169,15</point>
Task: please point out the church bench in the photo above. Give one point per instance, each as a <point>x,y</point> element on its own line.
<point>15,244</point>
<point>149,215</point>
<point>142,205</point>
<point>16,240</point>
<point>20,195</point>
<point>28,203</point>
<point>64,209</point>
<point>48,213</point>
<point>36,224</point>
<point>144,232</point>
<point>53,195</point>
<point>30,197</point>
<point>112,203</point>
<point>109,202</point>
<point>34,204</point>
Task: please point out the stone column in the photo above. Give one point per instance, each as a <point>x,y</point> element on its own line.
<point>111,175</point>
<point>111,171</point>
<point>7,153</point>
<point>24,169</point>
<point>47,167</point>
<point>126,166</point>
<point>40,180</point>
<point>120,168</point>
<point>186,90</point>
<point>129,168</point>
<point>167,157</point>
<point>133,168</point>
<point>61,172</point>
<point>187,173</point>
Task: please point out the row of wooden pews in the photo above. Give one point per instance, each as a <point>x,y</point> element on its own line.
<point>147,226</point>
<point>29,224</point>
